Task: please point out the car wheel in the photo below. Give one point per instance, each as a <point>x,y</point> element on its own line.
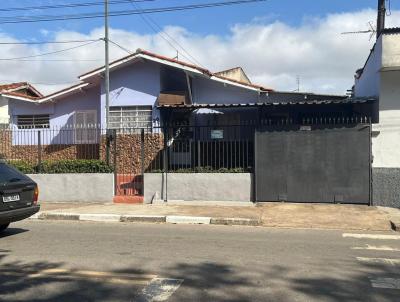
<point>3,227</point>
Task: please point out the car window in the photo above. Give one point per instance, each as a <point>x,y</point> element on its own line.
<point>8,174</point>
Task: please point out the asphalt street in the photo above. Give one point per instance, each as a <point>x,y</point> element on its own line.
<point>84,261</point>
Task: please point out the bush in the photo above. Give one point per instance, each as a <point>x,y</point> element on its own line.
<point>206,169</point>
<point>63,166</point>
<point>75,166</point>
<point>23,166</point>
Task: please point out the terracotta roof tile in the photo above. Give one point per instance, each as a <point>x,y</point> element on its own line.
<point>23,95</point>
<point>201,69</point>
<point>12,86</point>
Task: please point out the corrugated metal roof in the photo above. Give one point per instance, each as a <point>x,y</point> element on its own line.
<point>305,102</point>
<point>391,30</point>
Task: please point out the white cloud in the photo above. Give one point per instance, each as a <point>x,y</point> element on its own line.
<point>272,54</point>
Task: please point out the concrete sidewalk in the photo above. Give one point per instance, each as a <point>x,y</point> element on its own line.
<point>285,215</point>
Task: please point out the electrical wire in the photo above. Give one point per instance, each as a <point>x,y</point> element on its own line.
<point>121,47</point>
<point>148,20</point>
<point>48,18</point>
<point>68,5</point>
<point>38,83</point>
<point>48,53</point>
<point>56,60</point>
<point>47,42</point>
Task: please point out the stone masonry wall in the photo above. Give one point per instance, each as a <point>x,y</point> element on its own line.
<point>128,151</point>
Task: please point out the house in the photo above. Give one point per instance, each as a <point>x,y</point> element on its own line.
<point>21,89</point>
<point>380,78</point>
<point>140,83</point>
<point>169,115</point>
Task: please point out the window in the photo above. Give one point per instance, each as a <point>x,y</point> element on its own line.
<point>85,123</point>
<point>33,121</point>
<point>137,117</point>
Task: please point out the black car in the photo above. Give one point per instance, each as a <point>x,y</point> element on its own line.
<point>18,196</point>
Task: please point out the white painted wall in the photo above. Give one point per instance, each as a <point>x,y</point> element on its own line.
<point>381,78</point>
<point>368,85</point>
<point>3,110</point>
<point>391,53</point>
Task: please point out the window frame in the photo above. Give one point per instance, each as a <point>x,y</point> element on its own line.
<point>136,122</point>
<point>81,137</point>
<point>33,124</point>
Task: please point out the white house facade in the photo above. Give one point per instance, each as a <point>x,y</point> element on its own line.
<point>380,78</point>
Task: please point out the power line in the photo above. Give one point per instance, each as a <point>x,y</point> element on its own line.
<point>68,5</point>
<point>57,60</point>
<point>48,53</point>
<point>38,83</point>
<point>47,42</point>
<point>48,18</point>
<point>121,47</point>
<point>148,20</point>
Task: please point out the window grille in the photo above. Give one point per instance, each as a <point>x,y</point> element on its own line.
<point>138,117</point>
<point>33,121</point>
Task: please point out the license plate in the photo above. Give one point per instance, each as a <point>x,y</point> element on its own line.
<point>11,198</point>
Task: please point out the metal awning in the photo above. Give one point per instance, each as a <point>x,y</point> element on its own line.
<point>268,104</point>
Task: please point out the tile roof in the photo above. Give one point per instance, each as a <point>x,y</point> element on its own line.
<point>141,52</point>
<point>48,97</point>
<point>22,95</point>
<point>14,87</point>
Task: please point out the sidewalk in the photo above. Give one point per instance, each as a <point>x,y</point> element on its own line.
<point>285,215</point>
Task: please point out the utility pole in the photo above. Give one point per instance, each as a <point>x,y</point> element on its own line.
<point>107,81</point>
<point>380,26</point>
<point>107,70</point>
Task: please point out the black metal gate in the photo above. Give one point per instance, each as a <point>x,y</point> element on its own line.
<point>327,164</point>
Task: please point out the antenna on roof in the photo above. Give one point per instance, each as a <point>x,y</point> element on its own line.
<point>298,84</point>
<point>371,31</point>
<point>177,56</point>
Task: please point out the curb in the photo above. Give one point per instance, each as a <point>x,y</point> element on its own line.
<point>100,217</point>
<point>143,218</point>
<point>395,224</point>
<point>236,221</point>
<point>188,220</point>
<point>173,219</point>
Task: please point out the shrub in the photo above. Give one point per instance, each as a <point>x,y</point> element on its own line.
<point>23,166</point>
<point>206,169</point>
<point>75,166</point>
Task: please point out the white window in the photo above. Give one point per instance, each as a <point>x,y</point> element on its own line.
<point>33,121</point>
<point>137,117</point>
<point>85,123</point>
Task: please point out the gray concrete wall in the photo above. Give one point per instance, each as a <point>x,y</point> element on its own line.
<point>386,187</point>
<point>75,187</point>
<point>198,187</point>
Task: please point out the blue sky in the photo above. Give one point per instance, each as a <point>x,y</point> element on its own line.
<point>274,41</point>
<point>205,21</point>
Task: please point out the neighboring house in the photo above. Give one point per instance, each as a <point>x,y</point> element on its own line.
<point>236,73</point>
<point>22,89</point>
<point>380,78</point>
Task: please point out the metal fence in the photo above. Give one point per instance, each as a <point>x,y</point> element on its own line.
<point>133,151</point>
<point>205,149</point>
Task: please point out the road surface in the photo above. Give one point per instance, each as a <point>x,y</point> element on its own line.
<point>83,261</point>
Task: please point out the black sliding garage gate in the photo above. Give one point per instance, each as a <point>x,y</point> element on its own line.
<point>329,164</point>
